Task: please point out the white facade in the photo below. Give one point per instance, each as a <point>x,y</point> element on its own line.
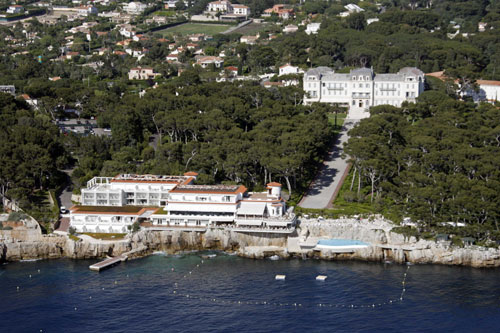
<point>15,9</point>
<point>137,190</point>
<point>312,28</point>
<point>103,221</point>
<point>240,10</point>
<point>135,8</point>
<point>87,10</point>
<point>489,91</point>
<point>219,6</point>
<point>288,69</point>
<point>290,29</point>
<point>362,88</point>
<point>225,206</point>
<point>206,61</point>
<point>113,204</point>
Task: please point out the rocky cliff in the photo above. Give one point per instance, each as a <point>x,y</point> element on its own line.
<point>384,244</point>
<point>389,246</point>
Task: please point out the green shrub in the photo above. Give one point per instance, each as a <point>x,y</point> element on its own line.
<point>17,216</point>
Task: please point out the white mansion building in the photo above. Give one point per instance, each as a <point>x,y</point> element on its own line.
<point>111,205</point>
<point>361,88</point>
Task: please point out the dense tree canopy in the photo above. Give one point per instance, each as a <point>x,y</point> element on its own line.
<point>436,161</point>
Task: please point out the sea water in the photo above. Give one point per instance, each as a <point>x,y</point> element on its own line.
<point>195,293</point>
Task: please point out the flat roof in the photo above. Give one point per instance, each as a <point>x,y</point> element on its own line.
<point>133,178</point>
<point>210,189</point>
<point>117,210</point>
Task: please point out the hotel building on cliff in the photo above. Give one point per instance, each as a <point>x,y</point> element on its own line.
<point>361,88</point>
<point>111,205</point>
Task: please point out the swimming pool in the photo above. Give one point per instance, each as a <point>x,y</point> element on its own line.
<point>341,245</point>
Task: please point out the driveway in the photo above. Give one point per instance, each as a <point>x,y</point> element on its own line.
<point>65,196</point>
<point>329,180</point>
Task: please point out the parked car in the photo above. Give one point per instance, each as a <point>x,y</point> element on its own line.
<point>64,210</point>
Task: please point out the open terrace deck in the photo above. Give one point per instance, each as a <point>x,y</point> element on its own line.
<point>107,263</point>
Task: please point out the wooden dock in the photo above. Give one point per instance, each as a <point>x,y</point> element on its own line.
<point>107,263</point>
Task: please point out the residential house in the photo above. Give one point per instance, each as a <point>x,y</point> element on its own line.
<point>205,61</point>
<point>351,8</point>
<point>312,28</point>
<point>134,8</point>
<point>290,29</point>
<point>8,89</point>
<point>219,6</point>
<point>232,70</point>
<point>288,69</point>
<point>15,9</point>
<point>85,11</point>
<point>172,58</point>
<point>142,73</point>
<point>283,11</point>
<point>127,30</point>
<point>196,37</point>
<point>250,40</point>
<point>240,10</point>
<point>486,91</point>
<point>481,26</point>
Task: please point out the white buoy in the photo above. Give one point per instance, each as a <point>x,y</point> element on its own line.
<point>321,277</point>
<point>280,277</point>
<point>17,288</point>
<point>30,276</point>
<point>173,269</point>
<point>116,282</point>
<point>76,308</point>
<point>38,271</point>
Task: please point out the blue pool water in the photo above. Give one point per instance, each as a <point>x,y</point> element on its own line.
<point>340,242</point>
<point>65,296</point>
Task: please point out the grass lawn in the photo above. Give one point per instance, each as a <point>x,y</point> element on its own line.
<point>73,237</point>
<point>195,28</point>
<point>104,236</point>
<point>340,118</point>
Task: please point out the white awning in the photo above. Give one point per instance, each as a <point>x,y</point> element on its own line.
<point>248,222</point>
<point>251,209</point>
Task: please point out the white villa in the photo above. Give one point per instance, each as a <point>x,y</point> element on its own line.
<point>312,28</point>
<point>15,9</point>
<point>174,202</point>
<point>362,88</point>
<point>205,61</point>
<point>142,73</point>
<point>489,91</point>
<point>288,69</point>
<point>134,8</point>
<point>226,10</point>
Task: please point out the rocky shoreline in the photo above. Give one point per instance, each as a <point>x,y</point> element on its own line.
<point>28,243</point>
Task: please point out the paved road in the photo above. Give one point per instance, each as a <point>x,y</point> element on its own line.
<point>65,196</point>
<point>321,191</point>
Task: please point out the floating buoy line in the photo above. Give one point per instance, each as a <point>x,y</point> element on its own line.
<point>289,304</point>
<point>177,293</point>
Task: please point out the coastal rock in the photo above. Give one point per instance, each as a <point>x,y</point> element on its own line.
<point>385,245</point>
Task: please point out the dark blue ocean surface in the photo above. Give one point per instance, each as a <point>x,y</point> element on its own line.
<point>231,294</point>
